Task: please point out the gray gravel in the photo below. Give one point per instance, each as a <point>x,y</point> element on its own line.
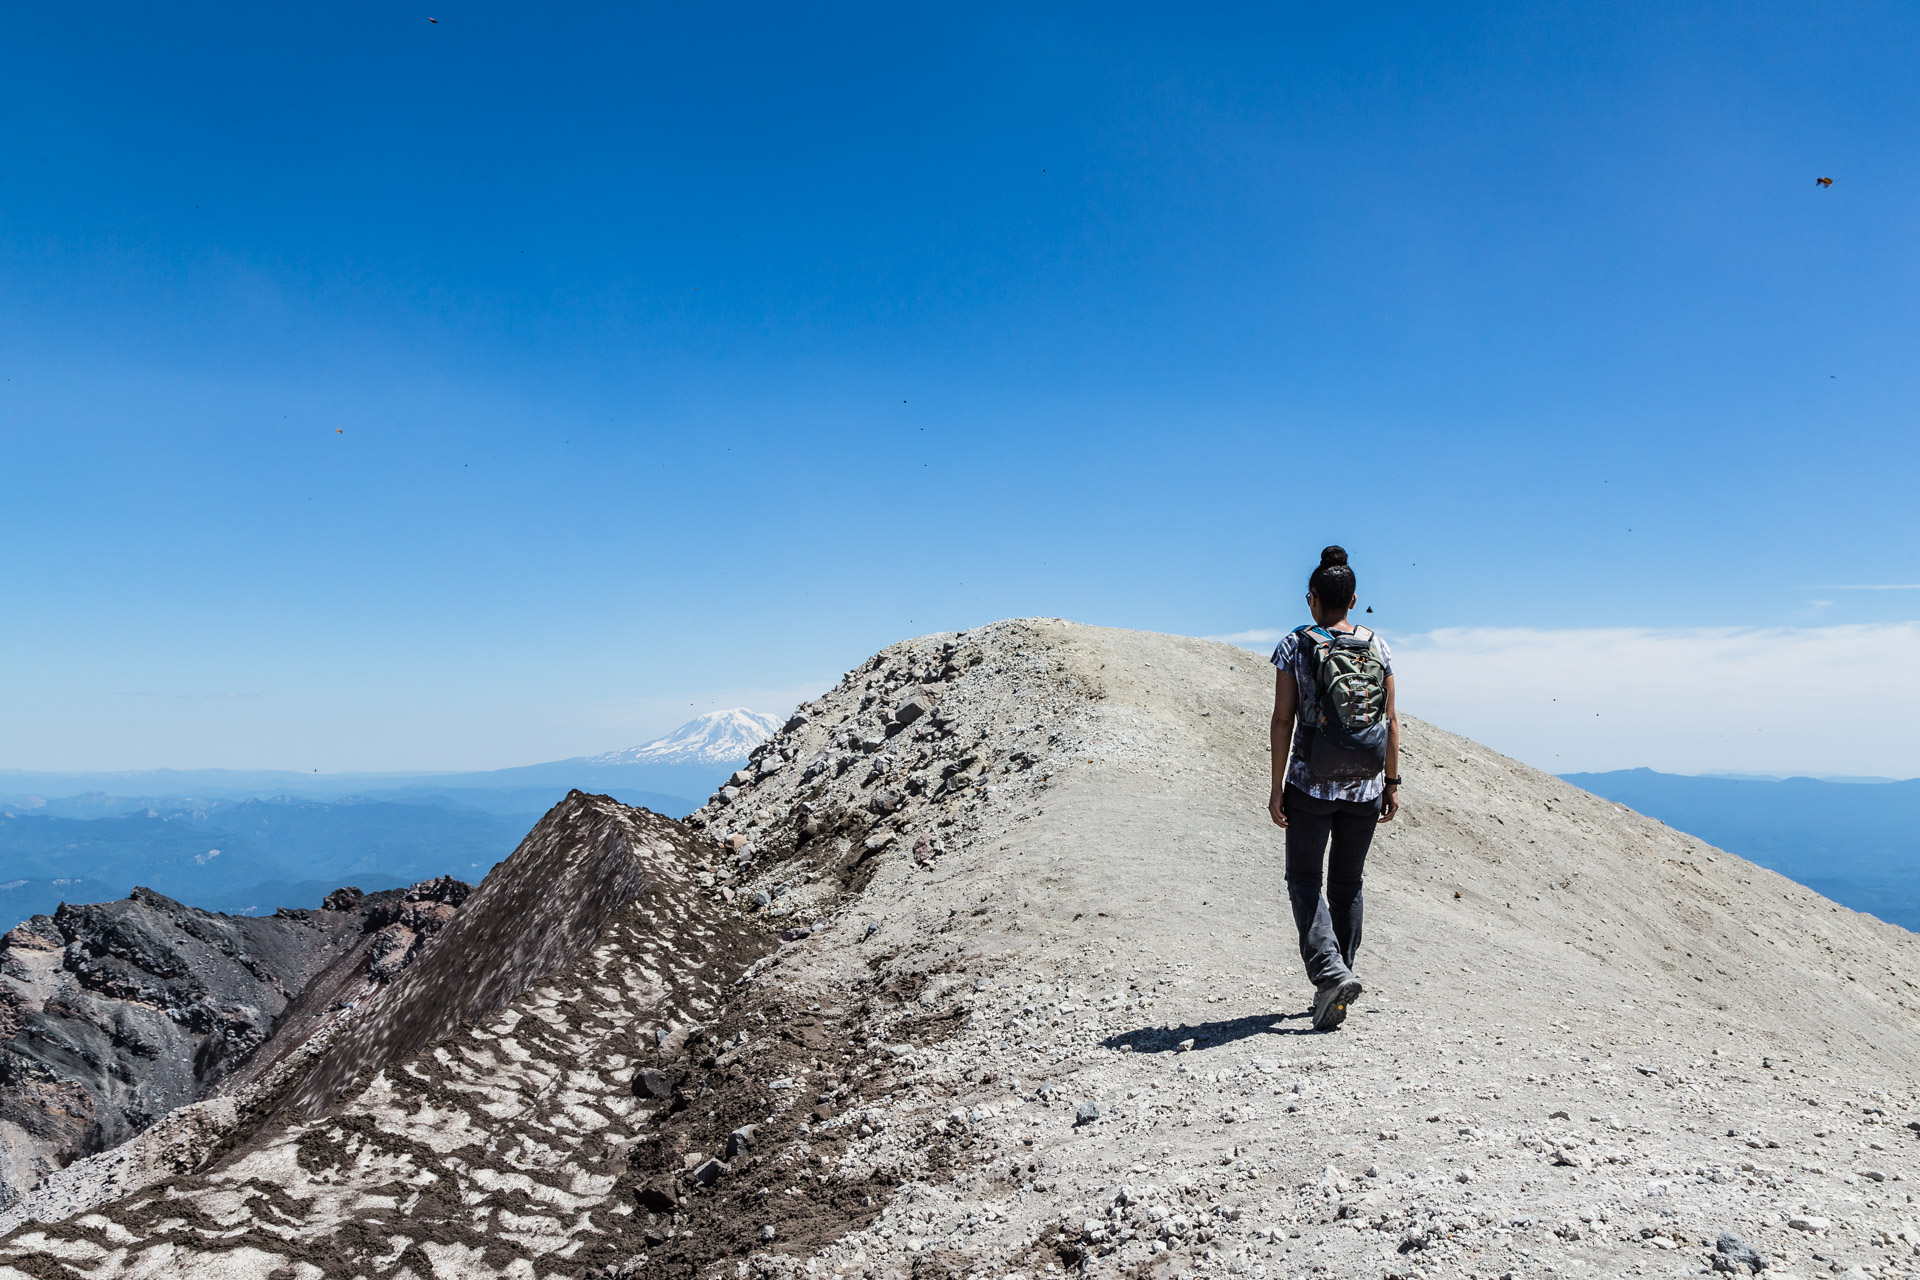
<point>1590,1045</point>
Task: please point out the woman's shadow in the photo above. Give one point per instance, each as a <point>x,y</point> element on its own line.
<point>1208,1035</point>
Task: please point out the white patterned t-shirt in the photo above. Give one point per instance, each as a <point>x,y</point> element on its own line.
<point>1291,655</point>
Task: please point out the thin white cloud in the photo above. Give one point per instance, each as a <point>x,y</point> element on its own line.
<point>1775,700</point>
<point>1258,639</point>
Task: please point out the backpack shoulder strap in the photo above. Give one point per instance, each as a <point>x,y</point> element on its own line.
<point>1372,640</point>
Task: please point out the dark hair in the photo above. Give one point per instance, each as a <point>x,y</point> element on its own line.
<point>1333,581</point>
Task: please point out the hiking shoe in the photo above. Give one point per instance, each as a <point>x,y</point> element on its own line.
<point>1330,1003</point>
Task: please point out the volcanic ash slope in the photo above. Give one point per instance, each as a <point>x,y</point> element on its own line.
<point>1586,1037</point>
<point>1027,997</point>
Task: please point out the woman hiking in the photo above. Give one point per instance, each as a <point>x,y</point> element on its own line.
<point>1336,773</point>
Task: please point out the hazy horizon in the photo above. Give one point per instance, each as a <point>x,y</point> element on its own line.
<point>1568,701</point>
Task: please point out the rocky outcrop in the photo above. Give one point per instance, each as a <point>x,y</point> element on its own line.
<point>407,925</point>
<point>113,1014</point>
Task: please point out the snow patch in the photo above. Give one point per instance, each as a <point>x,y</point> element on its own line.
<point>719,737</point>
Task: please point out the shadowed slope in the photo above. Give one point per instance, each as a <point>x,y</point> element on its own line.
<point>532,915</point>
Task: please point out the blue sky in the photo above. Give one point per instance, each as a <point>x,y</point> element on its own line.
<point>393,394</point>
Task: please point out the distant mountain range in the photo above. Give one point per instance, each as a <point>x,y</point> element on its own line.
<point>248,841</point>
<point>1856,840</point>
<point>245,857</point>
<point>671,775</point>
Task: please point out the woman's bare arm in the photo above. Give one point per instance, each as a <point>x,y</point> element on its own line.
<point>1390,798</point>
<point>1286,699</point>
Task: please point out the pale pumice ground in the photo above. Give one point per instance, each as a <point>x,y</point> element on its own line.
<point>1589,1044</point>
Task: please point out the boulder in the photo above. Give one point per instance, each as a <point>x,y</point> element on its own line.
<point>649,1083</point>
<point>392,948</point>
<point>917,703</point>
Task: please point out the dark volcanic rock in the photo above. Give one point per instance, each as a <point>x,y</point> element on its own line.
<point>391,947</point>
<point>345,898</point>
<point>648,1083</point>
<point>113,1014</point>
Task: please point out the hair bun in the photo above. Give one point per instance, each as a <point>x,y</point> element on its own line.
<point>1333,556</point>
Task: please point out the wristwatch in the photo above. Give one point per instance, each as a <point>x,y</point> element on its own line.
<point>1393,782</point>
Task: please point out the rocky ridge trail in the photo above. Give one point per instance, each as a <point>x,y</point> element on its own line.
<point>984,966</point>
<point>1589,1040</point>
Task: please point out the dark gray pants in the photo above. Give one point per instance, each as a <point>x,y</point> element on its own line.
<point>1329,924</point>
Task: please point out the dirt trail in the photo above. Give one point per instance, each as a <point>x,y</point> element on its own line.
<point>1038,1006</point>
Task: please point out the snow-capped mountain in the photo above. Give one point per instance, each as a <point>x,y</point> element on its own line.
<point>719,737</point>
